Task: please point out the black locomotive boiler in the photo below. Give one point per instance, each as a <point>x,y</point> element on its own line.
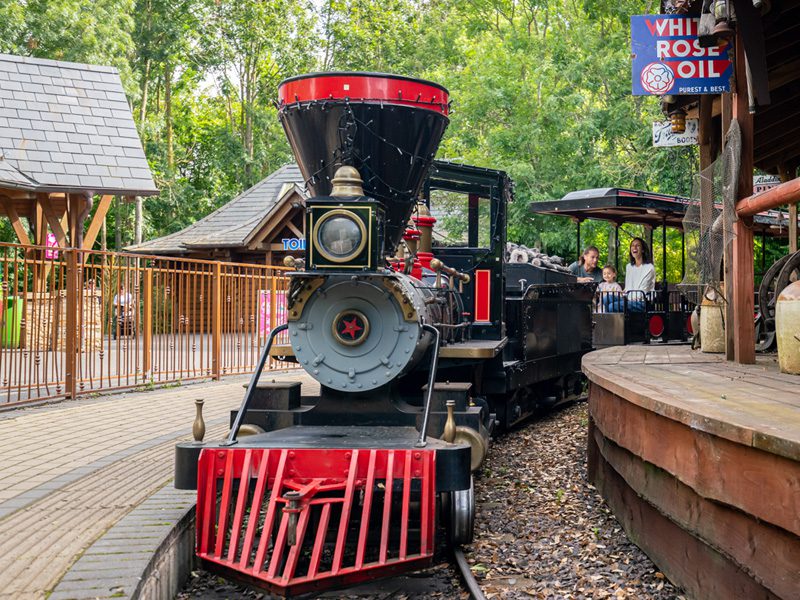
<point>420,351</point>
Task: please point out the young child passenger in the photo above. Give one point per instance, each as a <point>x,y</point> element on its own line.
<point>610,290</point>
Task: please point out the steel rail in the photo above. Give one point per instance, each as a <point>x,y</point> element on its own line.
<point>470,582</point>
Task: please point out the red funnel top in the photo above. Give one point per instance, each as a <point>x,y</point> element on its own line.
<point>365,87</point>
<point>386,126</point>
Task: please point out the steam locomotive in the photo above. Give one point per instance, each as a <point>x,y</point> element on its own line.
<point>420,352</point>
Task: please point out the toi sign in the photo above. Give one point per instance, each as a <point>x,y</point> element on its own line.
<point>294,244</point>
<point>668,59</point>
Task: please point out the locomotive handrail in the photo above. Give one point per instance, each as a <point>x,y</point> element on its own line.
<point>423,432</point>
<point>252,385</point>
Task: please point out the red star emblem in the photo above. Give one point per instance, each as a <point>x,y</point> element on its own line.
<point>351,327</point>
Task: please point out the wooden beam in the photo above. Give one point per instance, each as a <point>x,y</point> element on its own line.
<point>53,220</point>
<point>294,228</point>
<point>750,36</point>
<point>97,222</point>
<point>743,268</point>
<point>39,222</point>
<point>19,228</point>
<point>16,194</point>
<point>266,231</point>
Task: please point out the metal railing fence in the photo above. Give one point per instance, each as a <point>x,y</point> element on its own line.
<point>74,322</point>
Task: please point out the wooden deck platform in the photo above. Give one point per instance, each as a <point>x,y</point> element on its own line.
<point>700,461</point>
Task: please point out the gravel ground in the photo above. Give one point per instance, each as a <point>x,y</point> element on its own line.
<point>542,531</point>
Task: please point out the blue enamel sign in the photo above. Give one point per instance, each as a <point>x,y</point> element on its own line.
<point>667,58</point>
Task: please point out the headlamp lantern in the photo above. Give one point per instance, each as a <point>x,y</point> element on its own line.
<point>344,235</point>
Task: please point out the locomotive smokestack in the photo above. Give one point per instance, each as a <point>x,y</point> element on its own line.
<point>386,126</point>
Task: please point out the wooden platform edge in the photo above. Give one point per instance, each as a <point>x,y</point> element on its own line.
<point>659,403</point>
<point>757,482</point>
<point>688,562</point>
<point>721,518</point>
<point>770,555</point>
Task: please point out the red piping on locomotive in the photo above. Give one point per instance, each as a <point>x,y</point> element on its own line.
<point>364,87</point>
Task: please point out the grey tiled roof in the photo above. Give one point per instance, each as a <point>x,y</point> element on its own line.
<point>235,223</point>
<point>13,178</point>
<point>68,127</point>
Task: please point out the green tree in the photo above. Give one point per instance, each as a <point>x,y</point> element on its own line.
<point>89,31</point>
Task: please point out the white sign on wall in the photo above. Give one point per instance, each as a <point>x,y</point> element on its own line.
<point>664,138</point>
<point>762,183</point>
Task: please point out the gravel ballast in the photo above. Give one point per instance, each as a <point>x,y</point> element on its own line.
<point>542,531</point>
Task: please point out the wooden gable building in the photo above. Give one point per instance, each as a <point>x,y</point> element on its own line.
<point>254,227</point>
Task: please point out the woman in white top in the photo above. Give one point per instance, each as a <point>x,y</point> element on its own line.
<point>640,275</point>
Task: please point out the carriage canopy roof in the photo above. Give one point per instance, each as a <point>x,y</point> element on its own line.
<point>619,205</point>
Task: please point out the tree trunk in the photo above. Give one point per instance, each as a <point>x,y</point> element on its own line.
<point>137,239</point>
<point>168,114</point>
<point>145,89</point>
<point>118,224</point>
<point>247,106</point>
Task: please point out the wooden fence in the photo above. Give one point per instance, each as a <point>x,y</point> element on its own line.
<point>74,322</point>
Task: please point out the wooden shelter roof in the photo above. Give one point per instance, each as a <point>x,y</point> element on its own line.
<point>67,127</point>
<point>235,224</point>
<point>619,205</point>
<point>777,123</point>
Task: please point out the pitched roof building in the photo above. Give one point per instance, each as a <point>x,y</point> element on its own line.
<point>66,134</point>
<point>249,228</point>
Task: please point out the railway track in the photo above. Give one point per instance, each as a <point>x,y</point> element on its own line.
<point>541,531</point>
<point>450,579</point>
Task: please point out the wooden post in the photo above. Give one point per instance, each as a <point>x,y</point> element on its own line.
<point>787,174</point>
<point>743,270</point>
<point>707,156</point>
<point>71,341</point>
<point>147,323</point>
<point>727,257</point>
<point>216,321</point>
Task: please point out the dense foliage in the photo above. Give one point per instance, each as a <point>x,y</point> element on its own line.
<point>541,88</point>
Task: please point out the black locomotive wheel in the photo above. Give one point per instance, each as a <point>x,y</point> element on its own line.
<point>790,272</point>
<point>460,515</point>
<point>766,291</point>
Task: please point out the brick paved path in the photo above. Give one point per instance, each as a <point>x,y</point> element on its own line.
<point>70,471</point>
